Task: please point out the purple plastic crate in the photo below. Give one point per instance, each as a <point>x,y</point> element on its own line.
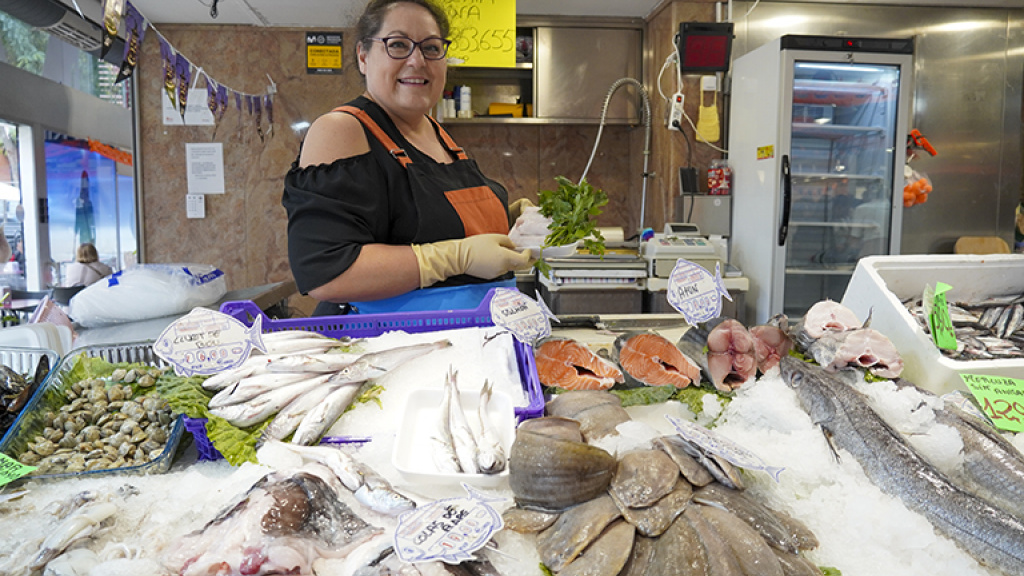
<point>370,325</point>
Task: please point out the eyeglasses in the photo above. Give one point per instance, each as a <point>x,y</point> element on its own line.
<point>400,47</point>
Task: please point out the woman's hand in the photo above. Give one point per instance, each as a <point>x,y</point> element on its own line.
<point>483,255</point>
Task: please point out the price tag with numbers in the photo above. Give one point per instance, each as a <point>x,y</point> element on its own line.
<point>483,33</point>
<point>1001,399</point>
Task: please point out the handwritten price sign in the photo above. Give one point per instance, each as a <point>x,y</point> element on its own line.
<point>1001,398</point>
<point>483,32</point>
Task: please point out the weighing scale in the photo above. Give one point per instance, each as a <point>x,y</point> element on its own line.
<point>680,240</point>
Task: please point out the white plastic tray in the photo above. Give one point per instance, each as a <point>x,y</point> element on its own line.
<point>881,283</point>
<point>415,443</point>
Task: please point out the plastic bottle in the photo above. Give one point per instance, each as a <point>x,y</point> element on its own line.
<point>465,103</point>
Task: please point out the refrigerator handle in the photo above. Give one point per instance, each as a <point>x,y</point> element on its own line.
<point>787,199</point>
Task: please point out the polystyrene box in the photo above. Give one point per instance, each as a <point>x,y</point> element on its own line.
<point>880,284</point>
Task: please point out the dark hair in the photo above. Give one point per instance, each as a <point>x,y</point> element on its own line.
<point>369,24</point>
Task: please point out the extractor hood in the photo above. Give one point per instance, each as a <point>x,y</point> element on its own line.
<point>64,22</point>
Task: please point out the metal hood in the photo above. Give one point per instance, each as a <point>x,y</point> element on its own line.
<point>65,23</point>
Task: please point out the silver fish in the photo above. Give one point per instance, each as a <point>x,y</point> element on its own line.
<point>317,421</point>
<point>376,364</point>
<point>491,456</point>
<point>305,345</point>
<point>378,495</point>
<point>255,364</point>
<point>992,535</point>
<point>288,419</point>
<point>325,363</point>
<point>260,408</point>
<point>445,459</point>
<point>462,435</point>
<point>340,463</point>
<point>82,524</point>
<point>252,386</point>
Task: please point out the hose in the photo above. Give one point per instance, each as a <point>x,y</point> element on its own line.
<point>647,136</point>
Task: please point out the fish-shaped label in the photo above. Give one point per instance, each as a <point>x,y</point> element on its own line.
<point>450,530</point>
<point>695,293</point>
<point>723,447</point>
<point>205,342</point>
<point>527,319</point>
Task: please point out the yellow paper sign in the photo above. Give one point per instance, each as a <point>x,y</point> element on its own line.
<point>1001,399</point>
<point>11,469</point>
<point>483,32</point>
<point>765,152</point>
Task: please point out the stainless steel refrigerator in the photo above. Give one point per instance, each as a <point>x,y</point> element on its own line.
<point>817,143</point>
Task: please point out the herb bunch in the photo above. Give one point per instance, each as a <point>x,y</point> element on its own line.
<point>573,210</point>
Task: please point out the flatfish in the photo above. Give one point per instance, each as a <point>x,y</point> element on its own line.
<point>574,530</point>
<point>712,443</point>
<point>779,530</point>
<point>527,521</point>
<point>655,519</point>
<point>993,536</point>
<point>691,469</point>
<point>607,555</point>
<point>643,477</point>
<point>598,412</point>
<point>752,553</point>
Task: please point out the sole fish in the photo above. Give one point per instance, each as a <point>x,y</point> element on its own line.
<point>598,412</point>
<point>650,359</point>
<point>991,535</point>
<point>643,477</point>
<point>566,363</point>
<point>751,551</point>
<point>574,530</point>
<point>779,530</point>
<point>654,520</point>
<point>607,555</point>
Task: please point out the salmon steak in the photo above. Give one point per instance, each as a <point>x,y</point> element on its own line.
<point>566,363</point>
<point>650,359</point>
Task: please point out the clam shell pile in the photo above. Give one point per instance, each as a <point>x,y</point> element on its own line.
<point>103,425</point>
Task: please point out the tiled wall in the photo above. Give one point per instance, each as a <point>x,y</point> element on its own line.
<point>244,231</point>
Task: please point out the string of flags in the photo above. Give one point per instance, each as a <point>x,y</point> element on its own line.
<point>178,69</point>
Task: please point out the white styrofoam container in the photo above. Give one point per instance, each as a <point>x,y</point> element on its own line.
<point>880,284</point>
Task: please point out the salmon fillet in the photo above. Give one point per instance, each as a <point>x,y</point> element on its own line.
<point>566,363</point>
<point>654,360</point>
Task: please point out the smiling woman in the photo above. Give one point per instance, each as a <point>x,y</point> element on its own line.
<point>385,211</point>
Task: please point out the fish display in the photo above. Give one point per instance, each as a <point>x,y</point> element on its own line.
<point>566,363</point>
<point>771,342</point>
<point>16,389</point>
<point>650,359</point>
<point>991,535</point>
<point>825,316</point>
<point>985,330</point>
<point>832,334</point>
<point>646,518</point>
<point>282,524</point>
<point>458,447</point>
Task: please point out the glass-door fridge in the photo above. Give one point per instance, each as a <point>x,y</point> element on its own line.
<point>817,141</point>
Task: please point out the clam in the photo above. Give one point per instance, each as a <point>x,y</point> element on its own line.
<point>548,472</point>
<point>42,446</point>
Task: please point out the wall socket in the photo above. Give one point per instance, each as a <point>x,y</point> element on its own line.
<point>675,117</point>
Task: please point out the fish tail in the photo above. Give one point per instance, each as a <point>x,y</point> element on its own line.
<point>256,334</point>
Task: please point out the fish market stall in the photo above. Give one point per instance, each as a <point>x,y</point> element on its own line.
<point>215,505</point>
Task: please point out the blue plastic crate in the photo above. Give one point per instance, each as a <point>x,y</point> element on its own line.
<point>370,325</point>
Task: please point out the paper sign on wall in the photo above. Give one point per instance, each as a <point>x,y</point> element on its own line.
<point>483,33</point>
<point>197,113</point>
<point>205,165</point>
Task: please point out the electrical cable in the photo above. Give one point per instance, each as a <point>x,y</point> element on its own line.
<point>647,135</point>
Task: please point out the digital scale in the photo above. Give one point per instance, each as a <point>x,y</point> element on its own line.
<point>679,240</point>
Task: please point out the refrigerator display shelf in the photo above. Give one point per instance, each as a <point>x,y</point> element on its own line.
<point>835,176</point>
<point>834,270</point>
<point>834,131</point>
<point>837,224</point>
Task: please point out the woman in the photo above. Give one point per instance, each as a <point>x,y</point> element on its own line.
<point>384,211</point>
<point>87,269</point>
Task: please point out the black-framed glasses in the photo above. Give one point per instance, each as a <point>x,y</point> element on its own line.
<point>400,47</point>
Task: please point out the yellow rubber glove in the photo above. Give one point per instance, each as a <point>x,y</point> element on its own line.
<point>515,209</point>
<point>483,256</point>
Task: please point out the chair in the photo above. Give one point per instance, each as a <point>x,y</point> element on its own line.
<point>981,245</point>
<point>63,295</point>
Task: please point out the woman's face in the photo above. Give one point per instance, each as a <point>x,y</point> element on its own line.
<point>406,88</point>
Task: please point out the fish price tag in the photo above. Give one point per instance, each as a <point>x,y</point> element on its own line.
<point>450,530</point>
<point>695,293</point>
<point>11,469</point>
<point>937,311</point>
<point>206,342</point>
<point>1001,399</point>
<point>527,319</point>
<point>727,449</point>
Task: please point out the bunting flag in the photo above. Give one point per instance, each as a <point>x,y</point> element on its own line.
<point>135,30</point>
<point>259,116</point>
<point>183,73</point>
<point>222,101</point>
<point>269,106</point>
<point>211,96</point>
<point>167,54</point>
<point>112,13</point>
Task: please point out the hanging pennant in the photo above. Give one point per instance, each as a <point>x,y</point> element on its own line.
<point>135,30</point>
<point>259,116</point>
<point>167,55</point>
<point>222,101</point>
<point>211,96</point>
<point>183,73</point>
<point>112,13</point>
<point>269,105</point>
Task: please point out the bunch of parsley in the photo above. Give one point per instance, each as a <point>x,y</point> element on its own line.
<point>573,210</point>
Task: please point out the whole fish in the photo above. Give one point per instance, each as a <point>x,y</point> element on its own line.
<point>491,455</point>
<point>376,364</point>
<point>288,419</point>
<point>322,416</point>
<point>255,364</point>
<point>309,344</point>
<point>991,535</point>
<point>444,456</point>
<point>260,408</point>
<point>462,435</point>
<point>325,363</point>
<point>378,495</point>
<point>339,462</point>
<point>82,524</point>
<point>252,386</point>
